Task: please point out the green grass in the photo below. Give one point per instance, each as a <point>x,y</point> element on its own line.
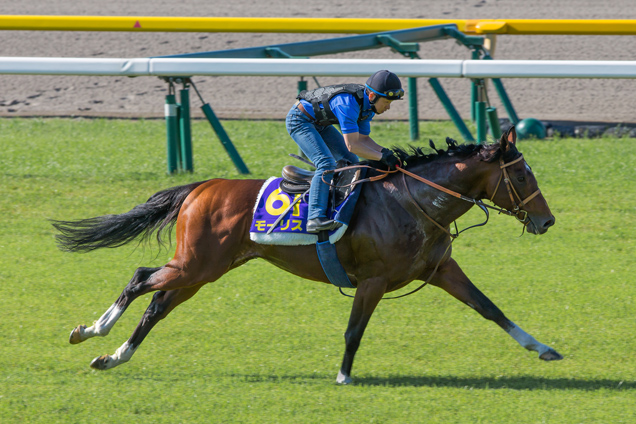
<point>263,346</point>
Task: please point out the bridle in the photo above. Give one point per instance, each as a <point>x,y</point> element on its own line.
<point>517,210</point>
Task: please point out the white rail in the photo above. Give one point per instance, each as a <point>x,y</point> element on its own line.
<point>317,67</point>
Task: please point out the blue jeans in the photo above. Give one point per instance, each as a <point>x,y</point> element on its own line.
<point>323,145</point>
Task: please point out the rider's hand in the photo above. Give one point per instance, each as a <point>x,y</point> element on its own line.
<point>390,159</point>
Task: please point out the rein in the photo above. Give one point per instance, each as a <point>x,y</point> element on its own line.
<point>517,211</point>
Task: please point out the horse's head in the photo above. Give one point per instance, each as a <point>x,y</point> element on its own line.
<point>515,188</point>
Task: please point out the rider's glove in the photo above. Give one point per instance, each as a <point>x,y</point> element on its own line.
<point>390,159</point>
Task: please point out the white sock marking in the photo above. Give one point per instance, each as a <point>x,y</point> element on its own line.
<point>104,324</point>
<point>526,340</point>
<point>121,355</point>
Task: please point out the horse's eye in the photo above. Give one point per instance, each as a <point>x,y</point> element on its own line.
<point>521,179</point>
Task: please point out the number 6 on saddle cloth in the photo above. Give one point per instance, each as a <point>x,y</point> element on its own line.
<point>280,212</point>
<point>280,215</point>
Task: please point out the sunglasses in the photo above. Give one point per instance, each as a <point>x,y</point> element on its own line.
<point>389,94</point>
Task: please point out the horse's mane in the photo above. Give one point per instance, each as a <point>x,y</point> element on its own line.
<point>486,152</point>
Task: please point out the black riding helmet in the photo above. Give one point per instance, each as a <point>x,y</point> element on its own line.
<point>386,84</point>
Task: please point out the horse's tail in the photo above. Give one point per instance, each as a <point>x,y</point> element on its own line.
<point>158,214</point>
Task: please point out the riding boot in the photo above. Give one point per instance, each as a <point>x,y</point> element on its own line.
<point>322,224</point>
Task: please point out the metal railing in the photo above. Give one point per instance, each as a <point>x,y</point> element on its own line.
<point>314,25</point>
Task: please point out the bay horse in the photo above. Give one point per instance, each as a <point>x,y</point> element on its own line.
<point>398,234</point>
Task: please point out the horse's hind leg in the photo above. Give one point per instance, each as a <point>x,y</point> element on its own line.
<point>105,323</point>
<point>451,278</point>
<point>162,303</point>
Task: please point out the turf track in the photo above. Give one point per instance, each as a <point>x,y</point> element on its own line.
<point>263,346</point>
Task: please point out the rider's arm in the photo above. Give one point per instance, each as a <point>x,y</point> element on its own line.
<point>356,134</point>
<point>363,146</point>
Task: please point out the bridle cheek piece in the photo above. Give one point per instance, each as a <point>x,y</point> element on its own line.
<point>517,211</point>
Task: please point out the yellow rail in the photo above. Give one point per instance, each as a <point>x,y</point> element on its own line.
<point>313,25</point>
<point>176,24</point>
<point>552,26</point>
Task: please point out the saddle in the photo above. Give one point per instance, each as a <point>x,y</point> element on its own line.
<point>298,180</point>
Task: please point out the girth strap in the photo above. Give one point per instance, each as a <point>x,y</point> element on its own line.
<point>331,264</point>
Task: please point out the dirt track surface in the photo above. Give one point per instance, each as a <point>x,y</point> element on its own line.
<point>266,97</point>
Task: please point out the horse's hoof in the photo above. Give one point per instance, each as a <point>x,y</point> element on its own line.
<point>76,335</point>
<point>100,363</point>
<point>551,355</point>
<point>343,379</point>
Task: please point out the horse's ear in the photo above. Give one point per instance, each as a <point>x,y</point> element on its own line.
<point>509,138</point>
<point>512,135</point>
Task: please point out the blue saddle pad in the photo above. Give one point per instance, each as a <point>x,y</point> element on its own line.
<point>292,228</point>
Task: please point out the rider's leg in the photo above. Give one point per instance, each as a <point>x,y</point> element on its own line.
<point>308,138</point>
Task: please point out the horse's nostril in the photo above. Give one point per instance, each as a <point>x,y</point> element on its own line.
<point>548,223</point>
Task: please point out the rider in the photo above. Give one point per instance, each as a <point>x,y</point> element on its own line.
<point>352,106</point>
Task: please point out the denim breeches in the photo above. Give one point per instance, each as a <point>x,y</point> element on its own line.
<point>323,145</point>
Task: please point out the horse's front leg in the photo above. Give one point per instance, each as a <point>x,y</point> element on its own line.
<point>451,278</point>
<point>368,294</point>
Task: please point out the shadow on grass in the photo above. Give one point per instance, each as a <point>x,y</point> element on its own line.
<point>487,383</point>
<point>514,383</point>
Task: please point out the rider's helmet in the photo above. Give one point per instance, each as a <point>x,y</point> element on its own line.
<point>385,84</point>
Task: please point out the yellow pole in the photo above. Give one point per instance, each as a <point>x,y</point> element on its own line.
<point>552,26</point>
<point>186,24</point>
<point>314,25</point>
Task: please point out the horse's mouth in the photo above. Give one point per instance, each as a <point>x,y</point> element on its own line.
<point>532,229</point>
<point>535,229</point>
